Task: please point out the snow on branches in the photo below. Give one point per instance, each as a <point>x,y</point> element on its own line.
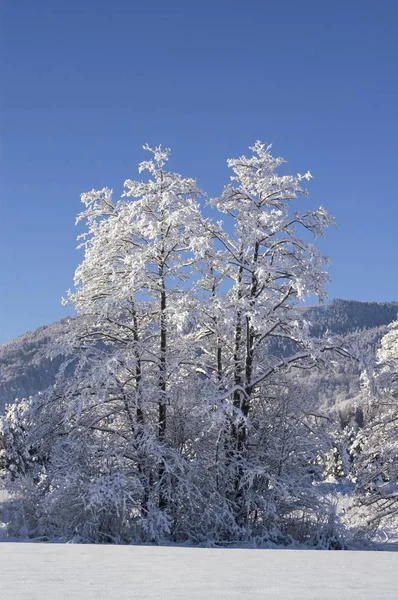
<point>182,419</point>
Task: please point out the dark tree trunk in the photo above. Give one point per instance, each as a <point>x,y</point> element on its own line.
<point>162,414</point>
<point>250,331</point>
<point>142,470</point>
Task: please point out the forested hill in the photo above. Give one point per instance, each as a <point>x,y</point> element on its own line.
<point>25,370</point>
<point>346,316</point>
<point>24,367</point>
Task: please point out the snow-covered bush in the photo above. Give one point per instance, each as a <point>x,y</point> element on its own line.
<point>377,480</point>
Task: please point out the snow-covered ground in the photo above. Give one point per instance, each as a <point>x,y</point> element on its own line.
<point>81,572</point>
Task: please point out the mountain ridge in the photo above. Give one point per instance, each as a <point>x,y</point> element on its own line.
<point>25,369</point>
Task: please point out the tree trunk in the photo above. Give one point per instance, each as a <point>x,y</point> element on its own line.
<point>144,475</point>
<point>250,332</point>
<point>162,414</point>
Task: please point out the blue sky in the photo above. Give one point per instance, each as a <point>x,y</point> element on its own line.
<point>85,83</point>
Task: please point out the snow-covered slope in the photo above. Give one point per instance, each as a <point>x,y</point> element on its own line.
<point>24,367</point>
<point>79,572</point>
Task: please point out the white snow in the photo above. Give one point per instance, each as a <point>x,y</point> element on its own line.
<point>81,572</point>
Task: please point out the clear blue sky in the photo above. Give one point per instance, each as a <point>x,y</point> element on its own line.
<point>84,83</point>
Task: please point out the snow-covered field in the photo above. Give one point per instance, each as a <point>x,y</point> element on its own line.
<point>81,572</point>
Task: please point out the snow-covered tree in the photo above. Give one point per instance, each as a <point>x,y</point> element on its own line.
<point>183,418</point>
<point>269,268</point>
<point>378,461</point>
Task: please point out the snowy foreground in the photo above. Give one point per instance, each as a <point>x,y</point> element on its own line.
<point>79,572</point>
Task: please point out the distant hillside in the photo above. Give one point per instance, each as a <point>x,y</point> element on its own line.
<point>345,316</point>
<point>25,369</point>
